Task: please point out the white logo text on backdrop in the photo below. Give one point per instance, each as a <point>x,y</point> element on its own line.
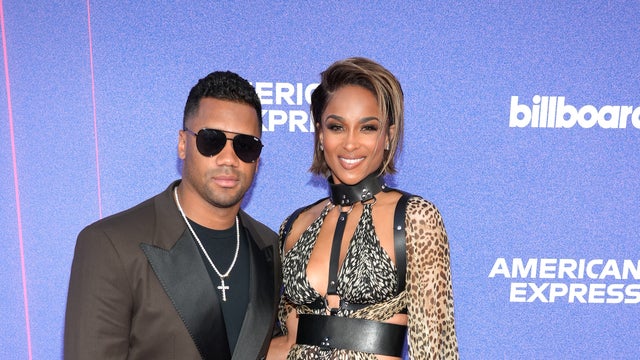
<point>553,112</point>
<point>295,96</point>
<point>595,281</point>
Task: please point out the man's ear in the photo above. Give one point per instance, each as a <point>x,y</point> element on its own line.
<point>182,144</point>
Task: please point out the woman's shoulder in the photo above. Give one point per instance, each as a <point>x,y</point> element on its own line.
<point>423,214</point>
<point>304,215</point>
<point>419,206</point>
<point>314,209</point>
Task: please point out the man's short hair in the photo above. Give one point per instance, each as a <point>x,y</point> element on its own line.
<point>222,85</point>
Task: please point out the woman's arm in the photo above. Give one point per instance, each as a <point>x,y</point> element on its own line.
<point>430,306</point>
<point>287,317</point>
<point>281,345</point>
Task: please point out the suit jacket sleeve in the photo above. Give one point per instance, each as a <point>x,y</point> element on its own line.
<point>99,302</point>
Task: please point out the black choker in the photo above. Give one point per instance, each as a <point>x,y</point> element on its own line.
<point>344,195</point>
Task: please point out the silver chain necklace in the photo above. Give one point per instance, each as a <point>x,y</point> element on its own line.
<point>222,286</point>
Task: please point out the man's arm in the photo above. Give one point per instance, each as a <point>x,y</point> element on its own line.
<point>99,303</point>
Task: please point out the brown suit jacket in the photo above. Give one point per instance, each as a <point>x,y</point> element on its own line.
<point>140,290</point>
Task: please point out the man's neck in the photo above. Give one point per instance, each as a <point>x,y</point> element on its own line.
<point>204,213</point>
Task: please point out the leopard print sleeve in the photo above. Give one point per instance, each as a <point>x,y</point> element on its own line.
<point>430,296</point>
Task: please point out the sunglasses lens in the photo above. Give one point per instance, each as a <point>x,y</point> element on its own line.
<point>210,142</point>
<point>247,147</point>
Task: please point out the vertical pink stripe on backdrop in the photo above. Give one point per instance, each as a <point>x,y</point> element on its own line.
<point>93,101</point>
<point>16,183</point>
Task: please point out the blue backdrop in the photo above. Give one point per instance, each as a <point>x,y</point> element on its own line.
<point>523,127</point>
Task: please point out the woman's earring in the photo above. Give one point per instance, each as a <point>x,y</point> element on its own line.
<point>386,147</point>
<point>321,147</point>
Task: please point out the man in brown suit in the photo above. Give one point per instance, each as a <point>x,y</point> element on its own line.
<point>186,274</point>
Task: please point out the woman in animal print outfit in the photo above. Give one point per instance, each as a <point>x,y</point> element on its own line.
<point>366,271</point>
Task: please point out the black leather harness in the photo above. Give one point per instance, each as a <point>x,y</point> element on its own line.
<point>337,332</point>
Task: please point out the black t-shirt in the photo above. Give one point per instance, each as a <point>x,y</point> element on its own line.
<point>221,246</point>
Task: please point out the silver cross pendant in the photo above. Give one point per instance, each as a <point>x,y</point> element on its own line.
<point>223,287</point>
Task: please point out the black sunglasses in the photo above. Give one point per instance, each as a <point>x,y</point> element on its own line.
<point>210,142</point>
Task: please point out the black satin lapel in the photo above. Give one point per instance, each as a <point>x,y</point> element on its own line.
<point>257,325</point>
<point>187,283</point>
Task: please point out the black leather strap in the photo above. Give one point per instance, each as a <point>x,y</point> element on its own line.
<point>288,225</point>
<point>336,332</point>
<point>320,303</point>
<point>334,260</point>
<point>400,240</point>
<point>365,190</point>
